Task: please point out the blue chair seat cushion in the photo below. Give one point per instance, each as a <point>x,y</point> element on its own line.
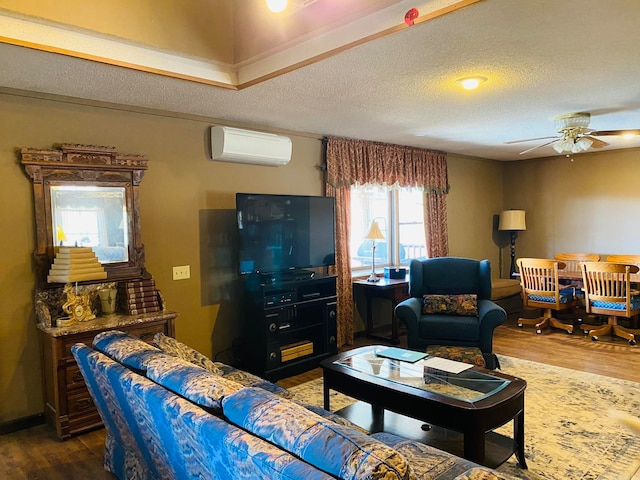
<point>462,304</point>
<point>635,304</point>
<point>566,296</point>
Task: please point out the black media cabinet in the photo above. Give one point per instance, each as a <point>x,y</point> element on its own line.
<point>290,324</point>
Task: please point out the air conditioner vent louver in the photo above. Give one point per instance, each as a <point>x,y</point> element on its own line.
<point>236,145</point>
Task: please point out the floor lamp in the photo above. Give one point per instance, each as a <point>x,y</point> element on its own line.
<point>373,234</point>
<point>512,221</point>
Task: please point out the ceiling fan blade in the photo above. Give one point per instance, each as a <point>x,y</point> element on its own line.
<point>603,133</point>
<point>539,146</point>
<point>597,143</point>
<point>529,140</point>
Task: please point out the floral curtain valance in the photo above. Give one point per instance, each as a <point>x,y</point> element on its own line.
<point>353,162</point>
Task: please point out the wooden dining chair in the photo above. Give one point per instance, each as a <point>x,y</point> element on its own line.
<point>608,291</point>
<point>541,289</point>
<point>628,259</point>
<point>572,260</point>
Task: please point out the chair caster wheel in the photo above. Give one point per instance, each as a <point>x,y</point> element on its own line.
<point>425,427</point>
<point>538,331</point>
<point>570,332</point>
<point>519,325</point>
<point>632,342</point>
<point>595,339</point>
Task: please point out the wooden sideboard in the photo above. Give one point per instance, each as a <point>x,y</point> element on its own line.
<point>69,407</point>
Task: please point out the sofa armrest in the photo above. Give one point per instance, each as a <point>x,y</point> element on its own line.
<point>490,315</point>
<point>409,312</point>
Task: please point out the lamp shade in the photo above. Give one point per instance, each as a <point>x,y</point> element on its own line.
<point>374,232</point>
<point>75,264</point>
<point>512,220</point>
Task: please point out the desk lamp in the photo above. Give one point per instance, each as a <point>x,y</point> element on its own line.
<point>512,221</point>
<point>373,234</point>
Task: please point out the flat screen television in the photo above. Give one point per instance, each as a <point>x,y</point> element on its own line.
<point>281,233</point>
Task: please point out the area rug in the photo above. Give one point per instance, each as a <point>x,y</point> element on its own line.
<point>568,433</point>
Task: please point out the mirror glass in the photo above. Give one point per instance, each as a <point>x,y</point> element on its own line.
<point>91,216</point>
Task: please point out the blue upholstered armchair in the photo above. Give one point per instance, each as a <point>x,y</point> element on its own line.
<point>455,284</point>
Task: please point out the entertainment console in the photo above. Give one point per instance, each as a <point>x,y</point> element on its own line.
<point>290,324</point>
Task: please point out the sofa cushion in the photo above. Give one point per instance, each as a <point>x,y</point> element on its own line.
<point>333,448</point>
<point>194,383</point>
<point>334,417</point>
<point>178,349</point>
<point>174,347</point>
<point>126,349</point>
<point>464,305</point>
<point>426,461</point>
<point>249,380</point>
<point>504,288</point>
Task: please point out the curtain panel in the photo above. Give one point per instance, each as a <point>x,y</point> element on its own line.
<point>355,162</point>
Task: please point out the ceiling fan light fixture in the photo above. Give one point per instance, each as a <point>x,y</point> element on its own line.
<point>470,83</point>
<point>573,121</point>
<point>584,144</point>
<point>558,146</point>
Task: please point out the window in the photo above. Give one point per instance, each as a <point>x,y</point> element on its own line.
<point>399,214</point>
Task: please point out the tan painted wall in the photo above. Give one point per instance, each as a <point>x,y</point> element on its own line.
<point>187,204</point>
<point>589,204</point>
<point>474,199</point>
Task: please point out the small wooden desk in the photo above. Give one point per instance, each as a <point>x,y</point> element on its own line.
<point>395,290</point>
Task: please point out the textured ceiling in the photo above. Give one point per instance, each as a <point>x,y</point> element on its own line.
<point>542,57</point>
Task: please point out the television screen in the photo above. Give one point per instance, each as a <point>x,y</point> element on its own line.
<point>277,233</point>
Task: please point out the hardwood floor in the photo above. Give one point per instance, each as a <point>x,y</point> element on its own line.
<point>37,454</point>
<point>612,357</point>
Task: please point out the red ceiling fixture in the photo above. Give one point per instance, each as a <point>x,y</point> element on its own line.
<point>410,16</point>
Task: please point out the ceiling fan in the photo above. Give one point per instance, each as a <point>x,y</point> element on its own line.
<point>575,135</point>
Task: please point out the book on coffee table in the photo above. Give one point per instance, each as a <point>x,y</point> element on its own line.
<point>395,353</point>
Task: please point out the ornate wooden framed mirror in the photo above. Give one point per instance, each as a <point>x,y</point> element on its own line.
<point>87,195</point>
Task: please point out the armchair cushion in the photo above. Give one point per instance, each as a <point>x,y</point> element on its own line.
<point>464,305</point>
<point>451,276</point>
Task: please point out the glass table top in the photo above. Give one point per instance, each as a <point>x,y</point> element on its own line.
<point>468,385</point>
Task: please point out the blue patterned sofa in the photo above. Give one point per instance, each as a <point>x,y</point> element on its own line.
<point>171,413</point>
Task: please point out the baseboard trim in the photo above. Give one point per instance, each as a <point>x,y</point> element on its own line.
<point>21,423</point>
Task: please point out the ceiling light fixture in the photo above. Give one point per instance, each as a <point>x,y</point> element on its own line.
<point>573,145</point>
<point>572,127</point>
<point>276,6</point>
<point>470,83</point>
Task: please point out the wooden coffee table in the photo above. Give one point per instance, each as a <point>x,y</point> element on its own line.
<point>462,409</point>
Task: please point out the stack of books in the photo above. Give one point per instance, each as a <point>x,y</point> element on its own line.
<point>75,264</point>
<point>138,296</point>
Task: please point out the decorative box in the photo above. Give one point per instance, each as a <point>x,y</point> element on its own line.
<point>395,272</point>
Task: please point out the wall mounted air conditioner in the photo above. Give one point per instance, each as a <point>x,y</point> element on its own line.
<point>230,144</point>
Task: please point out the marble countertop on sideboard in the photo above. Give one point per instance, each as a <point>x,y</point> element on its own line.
<point>106,322</point>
